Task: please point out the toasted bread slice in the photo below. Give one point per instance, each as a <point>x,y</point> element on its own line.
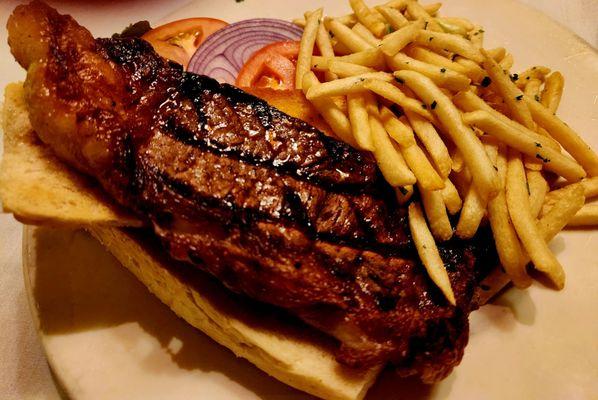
<point>37,187</point>
<point>290,352</point>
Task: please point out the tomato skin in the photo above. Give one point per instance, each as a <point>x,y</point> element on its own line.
<point>178,40</point>
<point>273,66</point>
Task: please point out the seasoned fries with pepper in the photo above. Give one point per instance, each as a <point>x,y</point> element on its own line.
<point>440,113</point>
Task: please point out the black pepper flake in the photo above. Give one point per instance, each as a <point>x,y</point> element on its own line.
<point>426,25</point>
<point>403,191</point>
<point>486,81</point>
<point>454,57</point>
<point>545,160</point>
<point>518,98</point>
<point>538,144</point>
<point>399,80</point>
<point>515,77</point>
<point>433,105</point>
<point>495,167</point>
<point>443,70</point>
<point>537,97</point>
<point>429,40</point>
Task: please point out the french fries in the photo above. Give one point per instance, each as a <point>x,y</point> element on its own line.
<point>388,156</point>
<point>428,252</point>
<point>468,101</point>
<point>397,40</point>
<point>325,46</point>
<point>586,216</point>
<point>344,69</point>
<point>394,94</point>
<point>562,213</point>
<point>347,37</point>
<point>306,48</point>
<point>538,188</point>
<point>417,161</point>
<point>474,206</point>
<point>367,17</point>
<point>358,116</point>
<point>438,219</point>
<point>511,94</point>
<point>368,58</point>
<point>349,20</point>
<point>432,8</point>
<point>366,35</point>
<point>532,88</point>
<point>590,189</point>
<point>428,56</point>
<point>452,43</point>
<point>519,210</point>
<point>451,197</point>
<point>553,90</point>
<point>416,11</point>
<point>476,159</point>
<point>462,22</point>
<point>393,17</point>
<point>457,159</point>
<point>508,246</point>
<point>476,36</point>
<point>538,72</point>
<point>342,87</point>
<point>432,142</point>
<point>533,146</point>
<point>506,62</point>
<point>566,136</point>
<point>441,76</point>
<point>332,114</point>
<point>451,27</point>
<point>417,84</point>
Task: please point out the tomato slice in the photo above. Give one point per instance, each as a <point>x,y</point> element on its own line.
<point>178,40</point>
<point>271,67</point>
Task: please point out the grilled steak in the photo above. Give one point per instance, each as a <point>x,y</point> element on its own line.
<point>269,205</point>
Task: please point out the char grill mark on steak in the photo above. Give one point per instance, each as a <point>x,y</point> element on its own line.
<point>241,192</point>
<point>267,204</point>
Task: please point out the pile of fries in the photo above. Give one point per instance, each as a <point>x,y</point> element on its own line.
<point>441,113</point>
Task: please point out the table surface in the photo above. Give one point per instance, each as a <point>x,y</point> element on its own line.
<point>24,373</point>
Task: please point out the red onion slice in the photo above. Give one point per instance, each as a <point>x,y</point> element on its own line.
<point>223,54</point>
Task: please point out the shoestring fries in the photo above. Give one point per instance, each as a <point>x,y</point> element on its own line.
<point>418,84</point>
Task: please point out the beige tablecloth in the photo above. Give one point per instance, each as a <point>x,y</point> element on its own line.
<point>23,370</point>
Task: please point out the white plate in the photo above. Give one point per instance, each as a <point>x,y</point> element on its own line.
<point>106,337</point>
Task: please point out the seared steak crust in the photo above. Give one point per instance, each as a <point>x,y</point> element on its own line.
<point>269,205</point>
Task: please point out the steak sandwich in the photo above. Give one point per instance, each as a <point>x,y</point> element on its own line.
<point>226,185</point>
